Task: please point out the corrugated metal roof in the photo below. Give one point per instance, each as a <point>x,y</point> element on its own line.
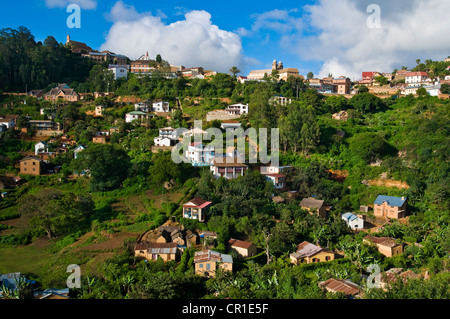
<point>340,285</point>
<point>391,200</point>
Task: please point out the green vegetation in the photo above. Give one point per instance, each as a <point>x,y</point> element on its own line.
<point>93,209</point>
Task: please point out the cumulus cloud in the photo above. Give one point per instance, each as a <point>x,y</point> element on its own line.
<point>84,4</point>
<point>342,39</point>
<point>193,41</point>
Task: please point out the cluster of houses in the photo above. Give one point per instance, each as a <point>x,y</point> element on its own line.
<point>409,81</point>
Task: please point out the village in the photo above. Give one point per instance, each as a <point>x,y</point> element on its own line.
<point>149,127</point>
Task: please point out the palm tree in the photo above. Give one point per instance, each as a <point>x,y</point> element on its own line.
<point>234,70</point>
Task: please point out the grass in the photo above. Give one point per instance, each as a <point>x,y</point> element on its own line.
<point>25,259</point>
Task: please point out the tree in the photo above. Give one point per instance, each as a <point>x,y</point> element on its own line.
<point>55,212</point>
<point>106,164</point>
<point>422,91</point>
<point>366,103</point>
<point>445,88</point>
<point>234,70</point>
<point>382,80</point>
<point>369,146</point>
<point>158,58</point>
<point>310,75</point>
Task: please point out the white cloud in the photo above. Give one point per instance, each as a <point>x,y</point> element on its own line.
<point>341,38</point>
<point>84,4</point>
<point>191,42</point>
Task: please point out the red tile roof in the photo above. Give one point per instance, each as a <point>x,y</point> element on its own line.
<point>240,243</point>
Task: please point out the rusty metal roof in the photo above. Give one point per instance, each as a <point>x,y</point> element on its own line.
<point>339,285</point>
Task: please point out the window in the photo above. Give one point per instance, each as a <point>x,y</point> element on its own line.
<point>208,266</point>
<point>200,266</point>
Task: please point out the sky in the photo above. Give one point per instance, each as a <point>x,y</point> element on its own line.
<point>338,37</point>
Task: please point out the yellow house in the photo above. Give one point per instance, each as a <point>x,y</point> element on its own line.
<point>309,253</point>
<point>207,262</point>
<point>242,248</point>
<point>31,166</point>
<point>386,245</point>
<point>153,251</point>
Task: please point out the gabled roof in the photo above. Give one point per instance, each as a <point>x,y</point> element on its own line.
<point>349,216</point>
<point>307,249</point>
<point>384,241</point>
<point>340,285</point>
<point>210,255</point>
<point>311,202</point>
<point>240,243</point>
<point>391,200</point>
<point>158,248</point>
<point>197,202</point>
<point>28,158</point>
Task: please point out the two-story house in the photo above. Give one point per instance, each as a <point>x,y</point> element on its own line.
<point>390,207</point>
<point>196,209</point>
<point>207,262</point>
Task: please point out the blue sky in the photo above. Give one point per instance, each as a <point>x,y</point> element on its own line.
<point>323,36</point>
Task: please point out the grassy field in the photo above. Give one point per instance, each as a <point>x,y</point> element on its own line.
<point>25,259</point>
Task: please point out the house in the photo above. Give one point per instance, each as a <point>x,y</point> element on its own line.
<point>411,89</point>
<point>8,120</point>
<point>416,77</point>
<point>143,65</point>
<point>346,287</point>
<point>353,221</point>
<point>200,154</point>
<point>196,208</point>
<point>31,166</point>
<point>433,90</point>
<point>386,245</point>
<point>343,85</point>
<point>191,239</point>
<point>119,71</point>
<point>368,78</point>
<point>160,106</point>
<point>143,107</point>
<point>100,110</point>
<point>62,92</point>
<point>100,139</point>
<point>207,262</point>
<point>390,207</point>
<point>77,150</point>
<point>276,174</point>
<point>36,93</point>
<point>230,125</point>
<point>229,169</point>
<point>309,253</point>
<point>281,100</point>
<point>107,56</point>
<point>311,204</point>
<point>40,147</point>
<point>242,248</point>
<point>153,251</point>
<point>45,127</point>
<point>322,86</point>
<point>137,116</point>
<point>52,294</point>
<point>394,274</point>
<point>171,234</point>
<point>340,116</point>
<point>237,109</point>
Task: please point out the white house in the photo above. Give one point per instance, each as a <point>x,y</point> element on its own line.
<point>40,147</point>
<point>237,109</point>
<point>416,77</point>
<point>199,154</point>
<point>119,71</point>
<point>276,174</point>
<point>143,107</point>
<point>353,221</point>
<point>160,106</point>
<point>7,120</point>
<point>77,150</point>
<point>411,89</point>
<point>136,115</point>
<point>433,90</point>
<point>167,137</point>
